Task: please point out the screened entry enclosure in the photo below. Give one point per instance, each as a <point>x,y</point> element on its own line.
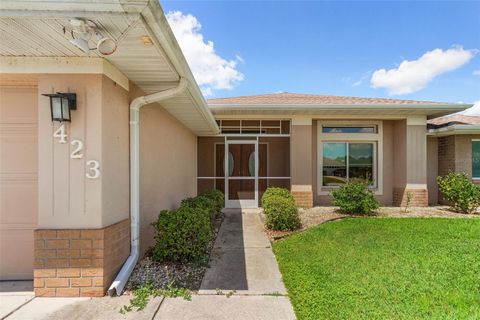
<point>244,160</point>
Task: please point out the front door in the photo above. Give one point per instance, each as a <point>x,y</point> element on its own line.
<point>241,178</point>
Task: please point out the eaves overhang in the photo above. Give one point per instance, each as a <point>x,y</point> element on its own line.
<point>153,69</point>
<point>456,129</point>
<point>337,109</point>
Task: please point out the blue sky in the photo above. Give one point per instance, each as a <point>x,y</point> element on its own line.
<point>335,47</point>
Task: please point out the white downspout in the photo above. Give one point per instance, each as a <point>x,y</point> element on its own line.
<point>122,277</point>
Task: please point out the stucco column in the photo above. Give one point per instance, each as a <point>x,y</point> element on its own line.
<point>301,161</point>
<point>411,162</point>
<point>83,234</point>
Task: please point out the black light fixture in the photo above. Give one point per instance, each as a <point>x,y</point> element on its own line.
<point>61,104</point>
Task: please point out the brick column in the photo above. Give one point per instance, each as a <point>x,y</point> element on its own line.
<point>411,162</point>
<point>301,161</point>
<point>79,263</point>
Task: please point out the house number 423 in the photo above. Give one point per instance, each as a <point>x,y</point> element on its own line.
<point>93,166</point>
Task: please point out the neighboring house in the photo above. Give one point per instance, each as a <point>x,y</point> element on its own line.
<point>78,196</point>
<point>453,145</point>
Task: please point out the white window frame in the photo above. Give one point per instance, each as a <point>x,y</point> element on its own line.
<point>474,178</point>
<point>375,138</point>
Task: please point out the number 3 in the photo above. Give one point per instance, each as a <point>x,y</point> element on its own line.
<point>76,153</point>
<point>93,170</point>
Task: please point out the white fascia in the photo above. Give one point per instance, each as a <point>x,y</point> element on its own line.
<point>454,130</point>
<point>425,109</point>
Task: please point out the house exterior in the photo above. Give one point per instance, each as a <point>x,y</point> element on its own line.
<point>453,145</point>
<point>78,196</point>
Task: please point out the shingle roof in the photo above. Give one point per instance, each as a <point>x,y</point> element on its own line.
<point>453,119</point>
<point>309,99</point>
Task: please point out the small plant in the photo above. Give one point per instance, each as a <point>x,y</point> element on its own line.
<point>175,292</point>
<point>281,212</point>
<point>410,196</point>
<point>142,295</point>
<point>459,192</point>
<point>355,197</point>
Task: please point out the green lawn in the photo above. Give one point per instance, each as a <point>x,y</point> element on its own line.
<point>380,268</point>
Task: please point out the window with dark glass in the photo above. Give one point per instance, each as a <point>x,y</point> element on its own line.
<point>347,129</point>
<point>343,161</point>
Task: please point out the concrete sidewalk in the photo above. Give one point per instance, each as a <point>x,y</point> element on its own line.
<point>242,282</point>
<point>242,260</point>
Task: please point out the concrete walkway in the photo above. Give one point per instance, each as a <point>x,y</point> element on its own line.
<point>242,260</point>
<point>242,282</point>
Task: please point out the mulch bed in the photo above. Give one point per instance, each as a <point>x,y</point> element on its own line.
<point>318,215</point>
<point>164,274</point>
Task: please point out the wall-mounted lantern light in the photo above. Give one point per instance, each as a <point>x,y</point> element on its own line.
<point>61,104</point>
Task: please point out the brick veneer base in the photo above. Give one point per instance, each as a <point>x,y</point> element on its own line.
<point>79,262</point>
<point>420,197</point>
<point>303,196</point>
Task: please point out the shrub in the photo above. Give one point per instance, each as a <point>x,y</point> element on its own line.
<point>202,203</point>
<point>281,211</point>
<point>460,192</point>
<point>355,197</point>
<point>182,234</point>
<point>275,191</point>
<point>218,198</point>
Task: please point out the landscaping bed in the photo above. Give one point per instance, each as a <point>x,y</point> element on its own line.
<point>167,274</point>
<point>384,268</point>
<point>317,215</point>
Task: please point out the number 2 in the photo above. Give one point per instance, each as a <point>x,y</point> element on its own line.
<point>60,133</point>
<point>93,169</point>
<point>76,153</point>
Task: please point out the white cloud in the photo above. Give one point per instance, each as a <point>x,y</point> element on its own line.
<point>211,71</point>
<point>476,72</point>
<point>412,76</point>
<point>473,111</point>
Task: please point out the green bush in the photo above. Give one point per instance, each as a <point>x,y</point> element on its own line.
<point>281,211</point>
<point>182,234</point>
<point>202,203</point>
<point>355,197</point>
<point>275,191</point>
<point>462,194</point>
<point>218,198</point>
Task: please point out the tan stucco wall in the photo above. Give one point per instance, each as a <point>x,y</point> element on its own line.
<point>67,199</point>
<point>167,165</point>
<point>301,155</point>
<point>400,159</point>
<point>115,153</point>
<point>432,169</point>
<point>416,154</point>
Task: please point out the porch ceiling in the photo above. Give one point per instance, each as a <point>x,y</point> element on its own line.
<point>36,29</point>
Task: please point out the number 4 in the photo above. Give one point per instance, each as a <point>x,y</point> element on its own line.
<point>60,133</point>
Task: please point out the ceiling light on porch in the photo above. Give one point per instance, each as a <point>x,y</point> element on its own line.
<point>83,31</point>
